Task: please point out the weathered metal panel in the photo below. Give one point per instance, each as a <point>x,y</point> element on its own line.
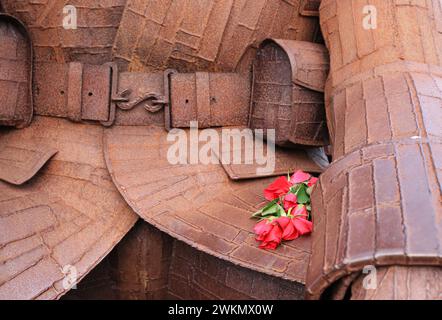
<point>15,73</point>
<point>288,84</point>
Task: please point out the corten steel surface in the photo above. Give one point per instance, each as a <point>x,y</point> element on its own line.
<point>69,214</point>
<point>379,203</point>
<point>310,7</point>
<point>82,92</point>
<point>91,42</point>
<point>287,94</point>
<point>286,160</point>
<point>212,99</point>
<point>18,165</point>
<point>402,283</point>
<point>205,35</point>
<point>197,275</point>
<point>197,204</point>
<point>75,91</point>
<point>15,73</point>
<point>149,264</point>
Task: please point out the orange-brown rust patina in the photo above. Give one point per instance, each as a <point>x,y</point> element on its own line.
<point>133,70</point>
<point>76,79</point>
<point>379,203</point>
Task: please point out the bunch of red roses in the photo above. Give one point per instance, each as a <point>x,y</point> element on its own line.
<point>288,214</point>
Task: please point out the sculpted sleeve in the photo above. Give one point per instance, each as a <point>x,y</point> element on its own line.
<point>379,203</point>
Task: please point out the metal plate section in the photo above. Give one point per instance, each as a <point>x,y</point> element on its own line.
<point>75,91</point>
<point>196,203</point>
<point>280,161</point>
<point>212,99</point>
<point>69,214</point>
<point>309,8</point>
<point>15,73</point>
<point>287,92</point>
<point>96,93</point>
<point>18,165</point>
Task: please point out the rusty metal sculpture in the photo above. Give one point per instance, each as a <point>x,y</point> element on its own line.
<point>16,73</point>
<point>380,201</point>
<point>134,70</point>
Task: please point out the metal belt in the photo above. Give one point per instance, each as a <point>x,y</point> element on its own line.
<point>82,92</point>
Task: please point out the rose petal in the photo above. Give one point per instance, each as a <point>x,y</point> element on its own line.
<point>262,226</point>
<point>278,188</point>
<point>300,210</point>
<point>262,229</point>
<point>275,234</point>
<point>290,201</point>
<point>299,176</point>
<point>290,233</point>
<point>283,222</point>
<point>303,226</point>
<point>312,181</point>
<point>269,245</point>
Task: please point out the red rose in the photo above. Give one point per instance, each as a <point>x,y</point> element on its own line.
<point>269,233</point>
<point>262,229</point>
<point>278,188</point>
<point>302,225</point>
<point>312,181</point>
<point>300,222</point>
<point>300,210</point>
<point>299,176</point>
<point>290,201</point>
<point>289,231</point>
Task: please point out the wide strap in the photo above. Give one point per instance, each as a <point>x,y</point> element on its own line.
<point>212,99</point>
<point>82,92</point>
<point>75,91</point>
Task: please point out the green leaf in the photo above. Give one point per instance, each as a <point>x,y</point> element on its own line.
<point>302,195</point>
<point>270,211</point>
<point>309,207</point>
<point>281,212</point>
<point>257,214</point>
<point>269,205</point>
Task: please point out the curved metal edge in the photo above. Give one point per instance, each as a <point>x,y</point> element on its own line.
<point>177,236</point>
<point>43,159</point>
<point>25,31</point>
<point>288,47</point>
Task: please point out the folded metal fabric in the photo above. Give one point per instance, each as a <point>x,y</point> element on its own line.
<point>209,205</point>
<point>15,73</point>
<point>18,165</point>
<point>187,201</point>
<point>379,203</point>
<point>65,220</point>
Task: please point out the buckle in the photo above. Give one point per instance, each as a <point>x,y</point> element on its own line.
<point>152,100</point>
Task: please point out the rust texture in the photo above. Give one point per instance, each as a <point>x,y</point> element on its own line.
<point>75,91</point>
<point>402,283</point>
<point>288,86</point>
<point>380,201</point>
<point>91,42</point>
<point>309,8</point>
<point>15,73</point>
<point>140,264</point>
<point>212,99</point>
<point>70,192</point>
<point>19,165</point>
<point>286,160</point>
<point>197,204</point>
<point>148,264</point>
<point>70,213</point>
<point>204,35</point>
<point>197,275</point>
